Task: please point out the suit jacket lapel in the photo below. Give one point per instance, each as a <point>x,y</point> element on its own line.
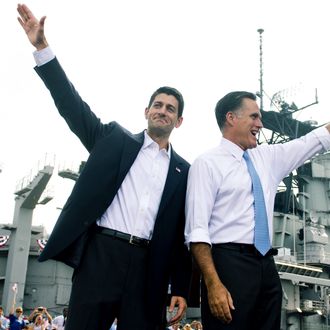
<point>132,146</point>
<point>174,176</point>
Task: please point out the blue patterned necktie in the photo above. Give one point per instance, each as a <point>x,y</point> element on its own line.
<point>261,232</point>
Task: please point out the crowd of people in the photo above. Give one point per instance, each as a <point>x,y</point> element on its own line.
<point>41,319</point>
<point>194,325</point>
<point>38,319</point>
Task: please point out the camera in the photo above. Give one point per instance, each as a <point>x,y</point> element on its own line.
<point>40,309</point>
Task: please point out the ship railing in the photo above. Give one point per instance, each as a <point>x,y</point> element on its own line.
<point>69,170</point>
<point>313,257</point>
<point>317,256</point>
<point>23,184</point>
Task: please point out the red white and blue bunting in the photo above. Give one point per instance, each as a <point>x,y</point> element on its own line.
<point>42,243</point>
<point>3,240</point>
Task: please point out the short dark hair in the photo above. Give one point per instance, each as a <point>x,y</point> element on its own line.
<point>169,91</point>
<point>231,102</point>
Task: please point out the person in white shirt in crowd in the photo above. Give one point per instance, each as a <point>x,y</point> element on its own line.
<point>241,288</point>
<point>60,320</point>
<point>35,314</point>
<point>4,321</point>
<point>39,322</point>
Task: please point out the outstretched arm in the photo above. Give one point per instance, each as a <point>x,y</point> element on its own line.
<point>81,120</point>
<point>219,298</point>
<point>12,307</point>
<point>33,28</point>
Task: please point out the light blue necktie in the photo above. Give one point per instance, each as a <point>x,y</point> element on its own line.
<point>261,232</point>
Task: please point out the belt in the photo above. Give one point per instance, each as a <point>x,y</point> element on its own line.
<point>134,240</point>
<point>245,248</point>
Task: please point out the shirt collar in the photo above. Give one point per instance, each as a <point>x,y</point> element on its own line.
<point>232,148</point>
<point>149,142</point>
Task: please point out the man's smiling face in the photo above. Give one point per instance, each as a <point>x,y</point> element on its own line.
<point>162,115</point>
<point>246,124</point>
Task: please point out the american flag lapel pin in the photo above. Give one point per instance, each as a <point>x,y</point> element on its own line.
<point>178,170</point>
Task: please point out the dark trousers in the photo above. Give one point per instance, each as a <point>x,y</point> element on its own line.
<point>254,285</point>
<point>110,283</point>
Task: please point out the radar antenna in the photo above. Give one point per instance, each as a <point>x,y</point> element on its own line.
<point>280,122</point>
<point>280,125</point>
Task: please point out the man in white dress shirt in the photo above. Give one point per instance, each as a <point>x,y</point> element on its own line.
<point>241,288</point>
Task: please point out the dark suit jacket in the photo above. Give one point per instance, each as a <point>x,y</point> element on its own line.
<point>113,150</point>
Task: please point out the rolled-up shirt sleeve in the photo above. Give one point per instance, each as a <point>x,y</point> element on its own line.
<point>201,194</point>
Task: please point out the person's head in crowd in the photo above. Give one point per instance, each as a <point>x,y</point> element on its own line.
<point>196,325</point>
<point>65,311</point>
<point>38,319</point>
<point>177,326</point>
<point>19,312</point>
<point>187,327</point>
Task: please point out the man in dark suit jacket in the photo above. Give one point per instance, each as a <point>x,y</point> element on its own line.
<point>122,227</point>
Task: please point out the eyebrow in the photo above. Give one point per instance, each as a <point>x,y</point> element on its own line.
<point>256,114</point>
<point>171,106</point>
<point>168,105</point>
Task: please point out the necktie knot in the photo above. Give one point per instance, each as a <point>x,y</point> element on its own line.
<point>261,232</point>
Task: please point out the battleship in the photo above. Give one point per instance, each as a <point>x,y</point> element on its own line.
<point>301,232</point>
<point>38,284</point>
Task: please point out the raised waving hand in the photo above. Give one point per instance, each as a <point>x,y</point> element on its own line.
<point>33,27</point>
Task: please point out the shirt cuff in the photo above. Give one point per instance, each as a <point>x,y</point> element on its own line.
<point>43,56</point>
<point>198,236</point>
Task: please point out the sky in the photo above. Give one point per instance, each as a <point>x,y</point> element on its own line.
<point>117,53</point>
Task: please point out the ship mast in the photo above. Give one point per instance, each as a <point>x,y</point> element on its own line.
<point>261,88</point>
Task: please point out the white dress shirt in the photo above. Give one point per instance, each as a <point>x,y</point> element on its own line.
<point>219,202</point>
<point>135,206</point>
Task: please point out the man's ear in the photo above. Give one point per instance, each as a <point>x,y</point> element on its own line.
<point>230,117</point>
<point>179,122</point>
<point>146,111</point>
